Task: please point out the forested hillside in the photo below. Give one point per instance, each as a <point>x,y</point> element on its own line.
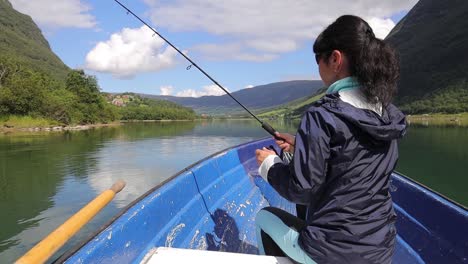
<point>38,89</point>
<point>22,41</point>
<point>133,107</point>
<point>432,40</point>
<point>36,84</point>
<point>24,92</point>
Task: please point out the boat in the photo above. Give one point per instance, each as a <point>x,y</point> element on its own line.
<point>211,206</point>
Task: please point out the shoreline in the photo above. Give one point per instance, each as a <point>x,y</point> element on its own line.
<point>153,121</point>
<point>460,119</point>
<point>57,128</point>
<point>35,129</point>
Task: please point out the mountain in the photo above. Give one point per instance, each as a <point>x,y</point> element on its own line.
<point>294,109</point>
<point>432,40</point>
<point>22,41</point>
<point>256,98</point>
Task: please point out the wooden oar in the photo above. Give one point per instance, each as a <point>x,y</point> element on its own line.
<point>55,240</point>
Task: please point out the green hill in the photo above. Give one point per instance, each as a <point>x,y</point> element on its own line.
<point>293,109</point>
<point>36,87</point>
<point>22,41</point>
<point>432,40</point>
<point>133,107</point>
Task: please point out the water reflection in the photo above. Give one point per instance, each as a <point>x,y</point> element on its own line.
<point>437,156</point>
<point>34,170</point>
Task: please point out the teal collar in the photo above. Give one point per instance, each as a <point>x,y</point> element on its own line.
<point>348,83</point>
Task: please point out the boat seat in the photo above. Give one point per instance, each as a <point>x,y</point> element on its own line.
<point>177,255</point>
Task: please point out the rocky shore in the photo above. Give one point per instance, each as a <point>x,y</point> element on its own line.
<point>9,129</point>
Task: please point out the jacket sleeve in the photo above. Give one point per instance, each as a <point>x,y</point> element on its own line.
<point>301,179</point>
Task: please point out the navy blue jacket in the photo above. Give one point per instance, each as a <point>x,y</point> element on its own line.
<point>341,168</point>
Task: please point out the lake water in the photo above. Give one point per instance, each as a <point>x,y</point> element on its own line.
<point>45,178</point>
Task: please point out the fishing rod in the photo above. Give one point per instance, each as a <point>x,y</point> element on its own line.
<point>265,125</point>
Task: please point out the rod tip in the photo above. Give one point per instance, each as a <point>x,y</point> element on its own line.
<point>118,186</point>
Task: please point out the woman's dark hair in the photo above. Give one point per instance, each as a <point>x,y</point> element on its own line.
<point>373,62</point>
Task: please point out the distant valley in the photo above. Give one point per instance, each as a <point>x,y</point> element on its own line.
<point>258,98</point>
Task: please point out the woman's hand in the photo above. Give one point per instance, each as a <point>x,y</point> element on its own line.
<point>287,143</point>
<point>262,154</point>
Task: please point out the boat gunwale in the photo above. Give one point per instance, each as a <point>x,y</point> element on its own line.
<point>450,200</point>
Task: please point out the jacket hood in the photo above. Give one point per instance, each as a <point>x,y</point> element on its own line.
<point>391,125</point>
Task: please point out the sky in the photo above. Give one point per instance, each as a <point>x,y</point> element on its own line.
<point>241,44</point>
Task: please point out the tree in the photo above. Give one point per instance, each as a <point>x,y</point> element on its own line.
<point>84,86</point>
<point>90,102</point>
<point>8,68</point>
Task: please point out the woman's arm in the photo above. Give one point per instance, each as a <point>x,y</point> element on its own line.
<point>300,181</point>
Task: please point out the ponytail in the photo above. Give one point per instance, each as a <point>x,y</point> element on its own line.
<point>373,62</point>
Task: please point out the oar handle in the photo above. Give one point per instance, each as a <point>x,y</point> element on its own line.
<point>55,240</point>
<point>117,186</point>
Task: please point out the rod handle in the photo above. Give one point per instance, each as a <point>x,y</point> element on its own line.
<point>270,130</point>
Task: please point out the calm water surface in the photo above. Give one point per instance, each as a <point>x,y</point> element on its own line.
<point>44,179</point>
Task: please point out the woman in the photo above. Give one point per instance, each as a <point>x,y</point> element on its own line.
<point>345,150</point>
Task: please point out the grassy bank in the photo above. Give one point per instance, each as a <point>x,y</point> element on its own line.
<point>26,122</point>
<point>13,124</point>
<point>460,119</point>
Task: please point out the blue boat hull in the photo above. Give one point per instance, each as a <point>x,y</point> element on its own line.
<point>212,206</point>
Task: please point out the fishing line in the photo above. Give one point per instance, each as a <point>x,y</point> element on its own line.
<point>265,125</point>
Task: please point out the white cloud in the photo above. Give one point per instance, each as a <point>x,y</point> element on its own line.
<point>206,91</point>
<point>381,27</point>
<point>232,51</point>
<point>273,45</point>
<point>249,86</point>
<point>166,90</point>
<point>256,30</point>
<point>57,14</point>
<point>129,52</point>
